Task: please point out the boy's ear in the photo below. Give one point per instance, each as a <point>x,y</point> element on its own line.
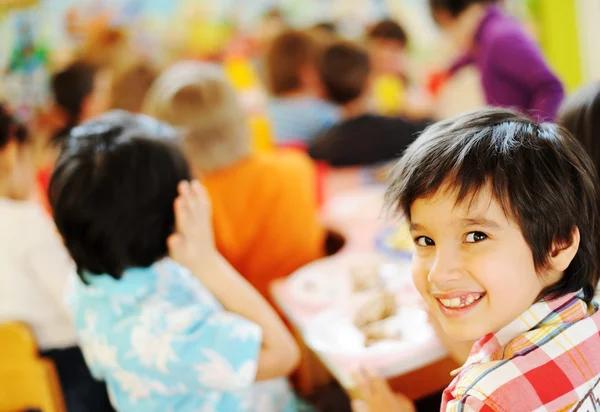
<point>563,253</point>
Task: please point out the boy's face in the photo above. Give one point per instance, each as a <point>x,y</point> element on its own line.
<point>388,57</point>
<point>472,264</point>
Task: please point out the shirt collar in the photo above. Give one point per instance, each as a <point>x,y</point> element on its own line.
<point>545,313</point>
<point>134,282</point>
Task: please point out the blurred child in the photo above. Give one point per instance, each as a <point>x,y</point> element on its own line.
<point>34,268</point>
<point>179,333</point>
<point>388,41</point>
<point>130,85</point>
<point>362,137</point>
<point>264,204</point>
<point>504,215</point>
<point>80,91</point>
<point>580,114</point>
<point>297,108</point>
<point>513,71</point>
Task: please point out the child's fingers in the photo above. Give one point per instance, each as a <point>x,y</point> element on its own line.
<point>359,405</point>
<point>183,214</point>
<point>377,384</point>
<point>201,195</point>
<point>361,381</point>
<point>174,243</point>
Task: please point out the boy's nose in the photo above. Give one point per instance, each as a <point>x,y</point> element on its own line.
<point>445,268</point>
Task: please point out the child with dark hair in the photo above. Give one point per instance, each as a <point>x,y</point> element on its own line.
<point>505,219</point>
<point>34,271</point>
<point>161,316</point>
<point>363,137</point>
<point>80,91</point>
<point>74,90</point>
<point>513,71</point>
<point>388,41</point>
<point>297,109</point>
<point>580,113</point>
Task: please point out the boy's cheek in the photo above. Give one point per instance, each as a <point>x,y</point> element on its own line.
<point>420,272</point>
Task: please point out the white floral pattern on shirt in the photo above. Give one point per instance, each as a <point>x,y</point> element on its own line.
<point>162,342</point>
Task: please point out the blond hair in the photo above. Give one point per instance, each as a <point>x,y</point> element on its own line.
<point>197,99</point>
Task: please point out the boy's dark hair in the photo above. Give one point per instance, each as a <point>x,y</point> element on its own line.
<point>70,88</point>
<point>113,189</point>
<point>388,29</point>
<point>539,173</point>
<point>455,7</point>
<point>580,114</point>
<point>10,129</point>
<point>344,69</point>
<point>288,52</point>
<point>327,27</point>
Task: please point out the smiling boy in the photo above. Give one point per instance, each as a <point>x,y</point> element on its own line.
<point>504,215</point>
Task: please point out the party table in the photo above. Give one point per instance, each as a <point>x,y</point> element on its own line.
<point>316,299</point>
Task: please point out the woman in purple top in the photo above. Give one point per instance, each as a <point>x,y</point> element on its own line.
<point>513,70</point>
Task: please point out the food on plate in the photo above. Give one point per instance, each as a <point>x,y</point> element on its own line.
<point>381,330</point>
<point>379,306</point>
<point>365,277</point>
<point>375,318</point>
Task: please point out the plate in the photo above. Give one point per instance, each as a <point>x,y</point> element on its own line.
<point>334,335</point>
<point>329,281</point>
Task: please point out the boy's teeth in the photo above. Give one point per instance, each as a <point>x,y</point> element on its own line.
<point>459,302</point>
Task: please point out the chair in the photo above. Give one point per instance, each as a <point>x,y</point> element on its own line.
<point>26,380</point>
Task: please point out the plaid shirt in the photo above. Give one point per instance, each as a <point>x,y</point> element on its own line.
<point>548,359</point>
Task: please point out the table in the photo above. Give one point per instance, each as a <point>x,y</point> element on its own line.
<point>359,220</point>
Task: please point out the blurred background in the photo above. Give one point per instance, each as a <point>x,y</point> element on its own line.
<point>40,37</point>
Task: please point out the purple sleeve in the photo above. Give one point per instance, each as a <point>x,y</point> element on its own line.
<point>517,57</point>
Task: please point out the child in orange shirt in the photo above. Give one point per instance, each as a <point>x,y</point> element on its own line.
<point>264,207</point>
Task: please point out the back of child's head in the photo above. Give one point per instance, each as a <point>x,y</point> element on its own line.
<point>130,86</point>
<point>455,7</point>
<point>580,114</point>
<point>289,52</point>
<point>113,189</point>
<point>538,173</point>
<point>70,88</point>
<point>198,99</point>
<point>388,30</point>
<point>344,69</point>
<point>11,129</point>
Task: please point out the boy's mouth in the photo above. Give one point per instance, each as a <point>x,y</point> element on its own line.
<point>461,301</point>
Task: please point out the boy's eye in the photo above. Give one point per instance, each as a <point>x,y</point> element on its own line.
<point>424,241</point>
<point>474,237</point>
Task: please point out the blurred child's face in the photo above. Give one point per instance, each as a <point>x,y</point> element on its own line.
<point>18,170</point>
<point>388,57</point>
<point>472,264</point>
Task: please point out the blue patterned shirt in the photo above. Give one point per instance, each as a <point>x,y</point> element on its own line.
<point>162,342</point>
